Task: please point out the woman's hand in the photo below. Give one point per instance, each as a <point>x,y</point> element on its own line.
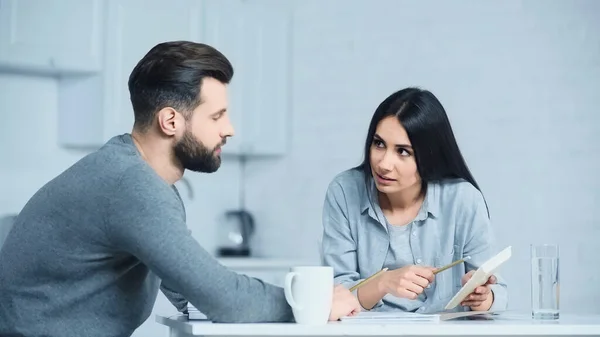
<point>407,282</point>
<point>482,297</point>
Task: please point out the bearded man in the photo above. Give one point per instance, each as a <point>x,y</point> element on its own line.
<point>90,250</point>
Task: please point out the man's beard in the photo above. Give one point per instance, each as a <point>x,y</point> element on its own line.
<point>194,156</point>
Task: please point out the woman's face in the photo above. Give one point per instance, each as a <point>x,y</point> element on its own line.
<point>393,162</point>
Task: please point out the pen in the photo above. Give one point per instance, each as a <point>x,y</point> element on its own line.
<point>452,264</point>
<point>363,282</point>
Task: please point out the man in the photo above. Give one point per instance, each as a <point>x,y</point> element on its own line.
<point>91,248</point>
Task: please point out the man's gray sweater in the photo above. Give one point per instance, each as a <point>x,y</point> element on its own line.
<point>88,253</point>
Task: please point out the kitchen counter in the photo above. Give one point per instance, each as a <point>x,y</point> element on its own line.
<point>264,262</point>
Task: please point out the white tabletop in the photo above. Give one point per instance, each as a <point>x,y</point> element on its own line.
<point>503,325</point>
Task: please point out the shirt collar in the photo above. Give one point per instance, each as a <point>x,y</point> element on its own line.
<point>430,205</point>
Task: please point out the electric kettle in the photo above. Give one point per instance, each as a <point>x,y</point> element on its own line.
<point>237,225</point>
<point>236,230</point>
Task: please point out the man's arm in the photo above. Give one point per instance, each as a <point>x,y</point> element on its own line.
<point>146,220</point>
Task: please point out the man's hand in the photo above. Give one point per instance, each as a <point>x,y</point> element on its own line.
<point>482,297</point>
<point>344,303</point>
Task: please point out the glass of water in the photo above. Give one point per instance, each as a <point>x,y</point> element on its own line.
<point>544,282</point>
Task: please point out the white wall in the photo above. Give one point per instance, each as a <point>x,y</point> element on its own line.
<point>519,79</point>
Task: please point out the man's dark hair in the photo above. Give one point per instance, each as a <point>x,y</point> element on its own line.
<point>170,75</point>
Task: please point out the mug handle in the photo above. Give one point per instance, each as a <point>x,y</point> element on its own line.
<point>289,277</point>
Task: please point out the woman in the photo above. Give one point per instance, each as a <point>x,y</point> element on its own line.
<point>411,206</point>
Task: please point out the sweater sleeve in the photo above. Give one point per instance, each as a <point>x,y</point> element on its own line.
<point>147,220</point>
<point>178,301</point>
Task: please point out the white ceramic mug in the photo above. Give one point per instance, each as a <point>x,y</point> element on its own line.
<point>309,291</point>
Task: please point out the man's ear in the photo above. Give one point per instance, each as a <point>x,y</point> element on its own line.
<point>167,121</point>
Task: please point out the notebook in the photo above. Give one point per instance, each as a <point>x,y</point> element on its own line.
<point>195,314</point>
<point>480,276</point>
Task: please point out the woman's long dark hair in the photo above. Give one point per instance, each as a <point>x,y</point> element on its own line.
<point>426,123</point>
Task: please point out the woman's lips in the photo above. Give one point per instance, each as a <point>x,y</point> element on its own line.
<point>383,179</point>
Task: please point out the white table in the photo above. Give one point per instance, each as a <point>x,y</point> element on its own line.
<point>508,325</point>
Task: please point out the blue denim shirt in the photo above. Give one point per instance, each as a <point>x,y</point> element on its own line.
<point>452,223</point>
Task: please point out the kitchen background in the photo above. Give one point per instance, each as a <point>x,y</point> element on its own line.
<point>520,81</point>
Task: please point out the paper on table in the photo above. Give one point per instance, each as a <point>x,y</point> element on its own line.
<point>373,317</point>
<point>389,317</point>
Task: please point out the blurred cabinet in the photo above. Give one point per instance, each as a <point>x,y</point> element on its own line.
<point>91,46</point>
<point>95,108</point>
<point>256,37</point>
<point>51,37</point>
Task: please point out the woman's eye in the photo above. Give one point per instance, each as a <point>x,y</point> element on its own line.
<point>403,152</point>
<point>378,143</point>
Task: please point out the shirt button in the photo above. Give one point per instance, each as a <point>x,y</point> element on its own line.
<point>414,233</point>
<point>418,260</point>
